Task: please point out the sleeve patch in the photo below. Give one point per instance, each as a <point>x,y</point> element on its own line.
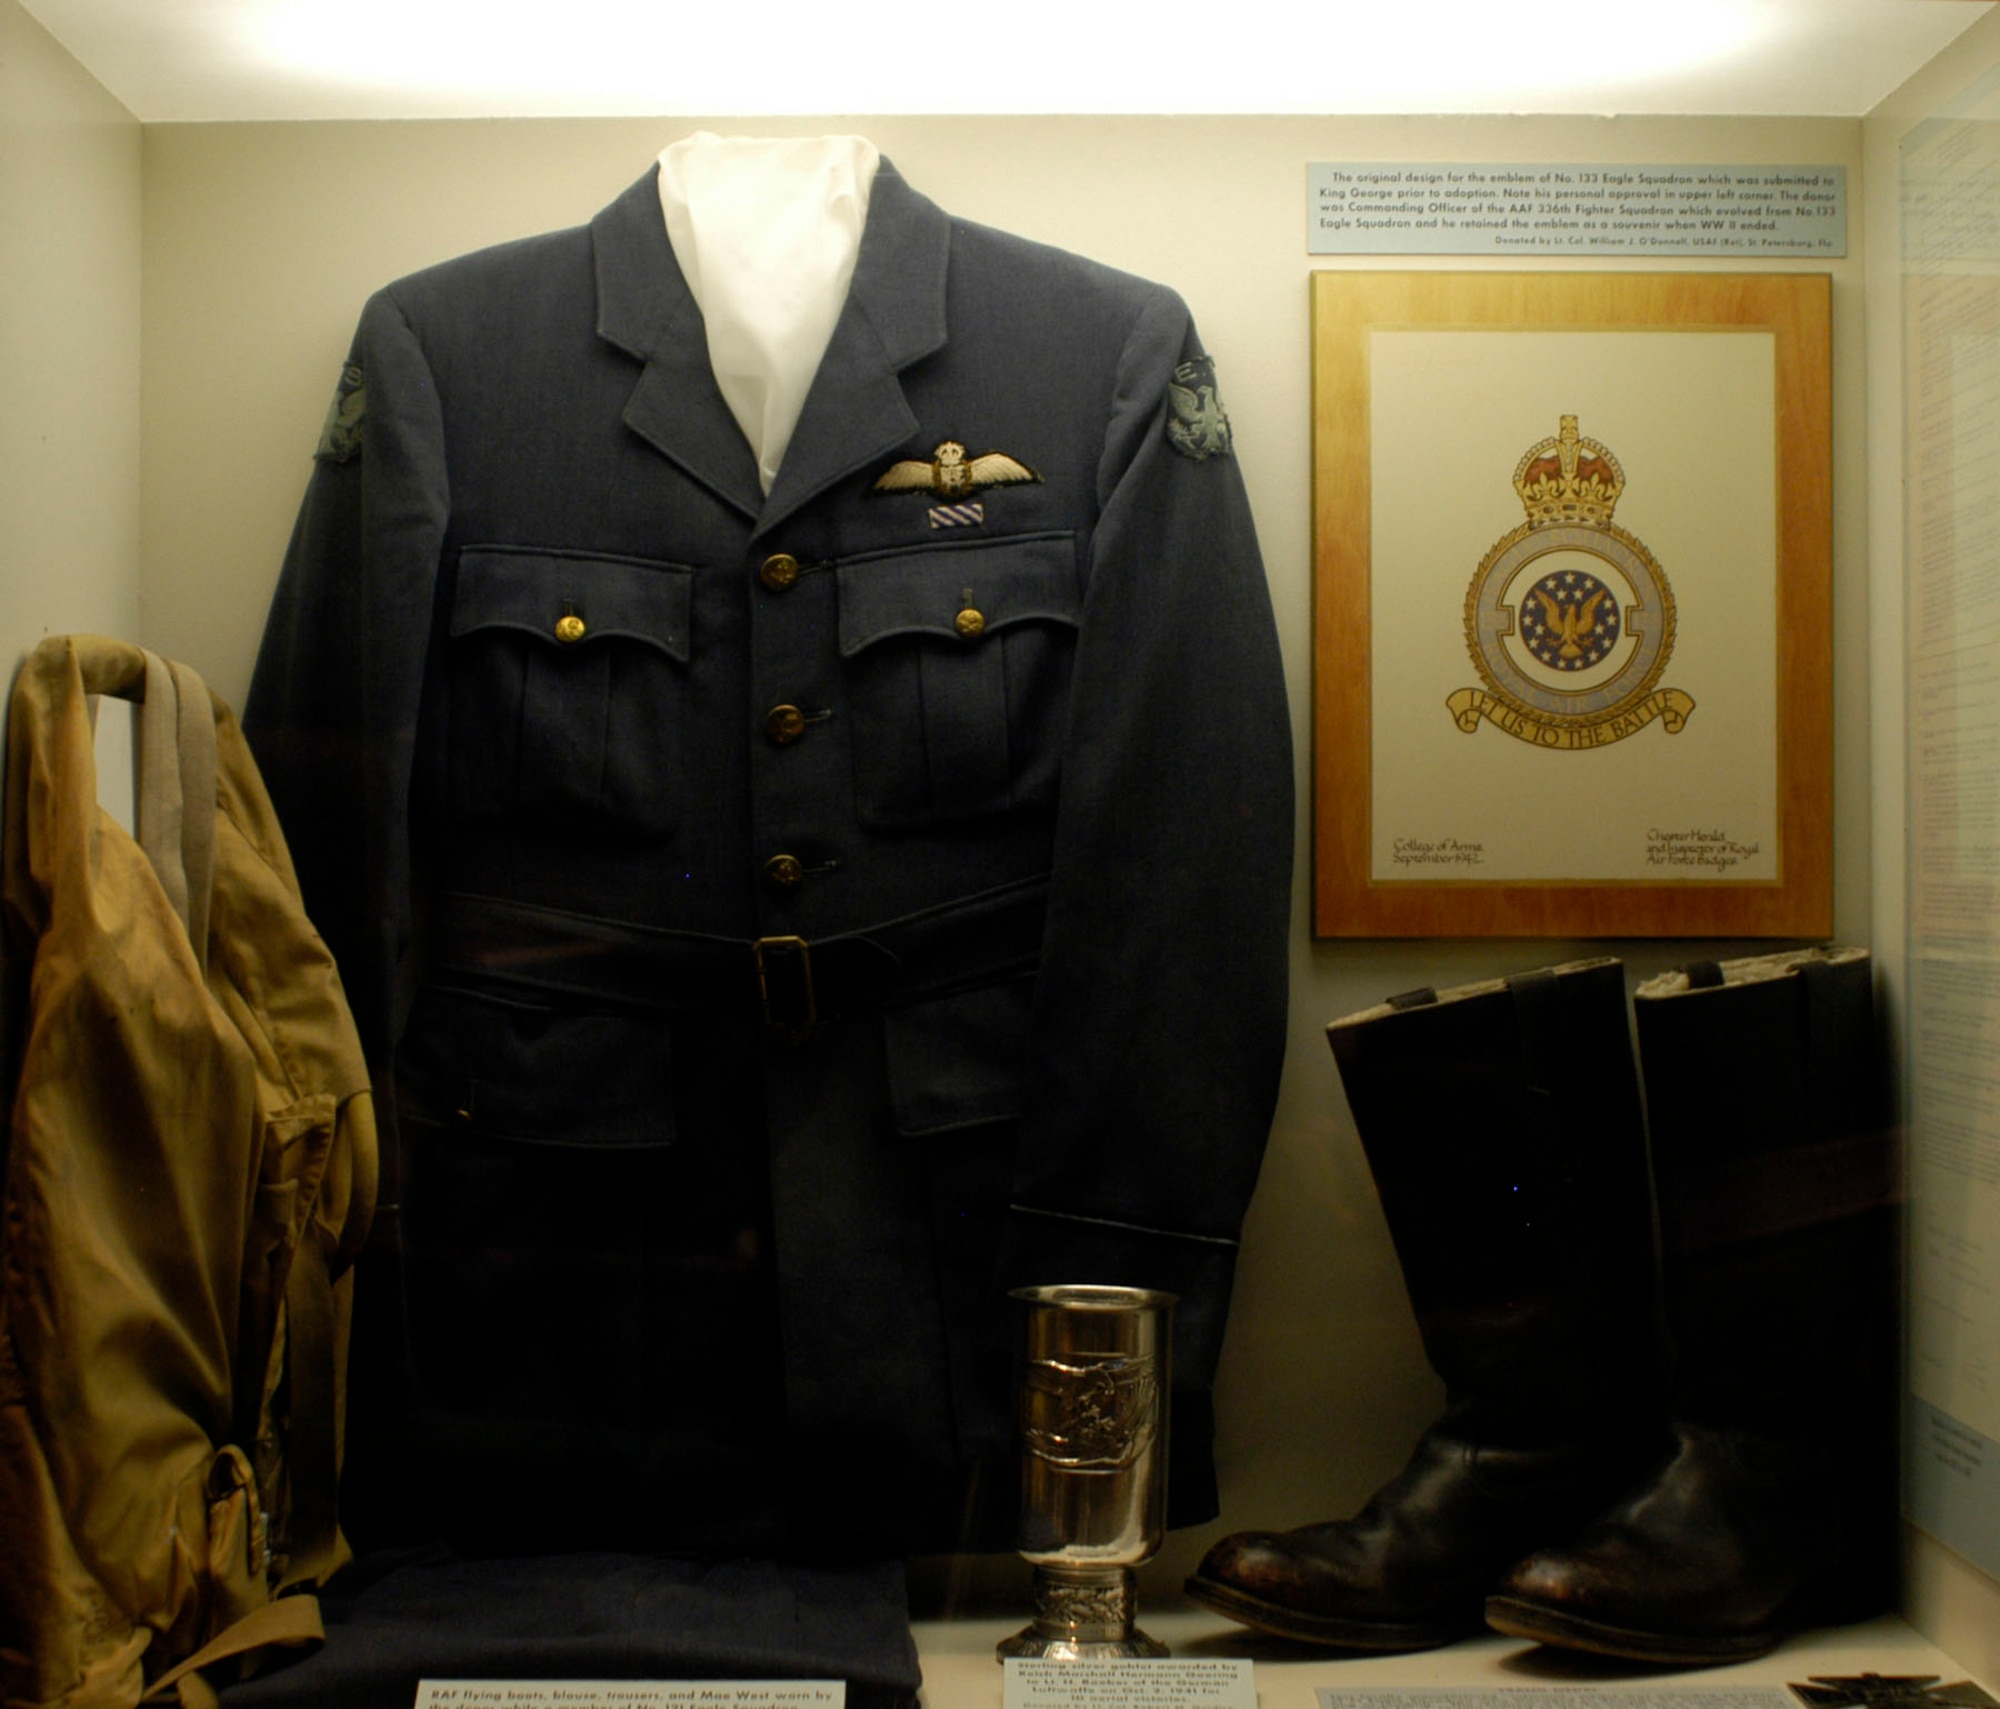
<point>340,438</point>
<point>1197,425</point>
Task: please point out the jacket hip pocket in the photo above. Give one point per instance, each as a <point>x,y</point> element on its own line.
<point>536,1139</point>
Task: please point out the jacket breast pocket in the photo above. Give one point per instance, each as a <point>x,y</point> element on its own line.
<point>958,663</point>
<point>569,690</point>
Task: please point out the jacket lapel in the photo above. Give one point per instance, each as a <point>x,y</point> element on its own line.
<point>855,412</point>
<point>645,308</point>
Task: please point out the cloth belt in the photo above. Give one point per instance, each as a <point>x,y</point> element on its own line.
<point>793,982</point>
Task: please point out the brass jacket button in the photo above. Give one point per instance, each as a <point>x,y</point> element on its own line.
<point>779,571</point>
<point>970,623</point>
<point>784,871</point>
<point>784,724</point>
<point>569,627</point>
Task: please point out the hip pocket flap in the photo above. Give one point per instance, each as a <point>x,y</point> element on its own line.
<point>959,1061</point>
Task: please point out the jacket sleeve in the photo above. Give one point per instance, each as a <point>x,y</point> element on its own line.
<point>332,710</point>
<point>1159,1020</point>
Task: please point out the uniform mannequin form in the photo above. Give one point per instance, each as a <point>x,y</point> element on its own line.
<point>633,645</point>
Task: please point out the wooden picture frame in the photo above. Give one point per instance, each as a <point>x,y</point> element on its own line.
<point>1572,630</point>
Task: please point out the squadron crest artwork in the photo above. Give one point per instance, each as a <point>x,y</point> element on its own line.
<point>1569,618</point>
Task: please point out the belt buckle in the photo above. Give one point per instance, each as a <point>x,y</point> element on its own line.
<point>785,986</point>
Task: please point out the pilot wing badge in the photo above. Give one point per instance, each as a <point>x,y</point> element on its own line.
<point>1569,618</point>
<point>952,477</point>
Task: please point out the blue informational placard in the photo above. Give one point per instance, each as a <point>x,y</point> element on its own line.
<point>1534,208</point>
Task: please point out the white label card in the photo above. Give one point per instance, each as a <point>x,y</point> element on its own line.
<point>1561,1697</point>
<point>1037,1684</point>
<point>631,1694</point>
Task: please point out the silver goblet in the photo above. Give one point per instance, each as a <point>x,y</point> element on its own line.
<point>1094,1387</point>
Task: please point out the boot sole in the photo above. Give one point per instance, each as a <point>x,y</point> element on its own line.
<point>1519,1619</point>
<point>1386,1637</point>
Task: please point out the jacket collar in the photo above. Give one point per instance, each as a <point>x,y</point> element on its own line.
<point>855,412</point>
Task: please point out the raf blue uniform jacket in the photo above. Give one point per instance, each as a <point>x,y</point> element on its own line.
<point>564,715</point>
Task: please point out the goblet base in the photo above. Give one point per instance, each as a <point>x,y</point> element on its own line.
<point>1084,1614</point>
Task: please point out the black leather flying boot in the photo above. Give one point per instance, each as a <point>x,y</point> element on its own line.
<point>1776,1507</point>
<point>1502,1124</point>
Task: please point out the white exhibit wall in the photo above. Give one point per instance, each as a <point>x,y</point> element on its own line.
<point>69,346</point>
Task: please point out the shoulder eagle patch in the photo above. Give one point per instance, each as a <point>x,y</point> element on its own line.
<point>1197,424</point>
<point>340,437</point>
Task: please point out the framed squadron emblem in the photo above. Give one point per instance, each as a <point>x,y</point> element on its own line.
<point>1572,628</point>
<point>1569,619</point>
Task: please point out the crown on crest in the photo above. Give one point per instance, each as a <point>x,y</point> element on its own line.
<point>1568,479</point>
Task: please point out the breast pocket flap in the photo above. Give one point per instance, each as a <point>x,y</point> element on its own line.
<point>960,593</point>
<point>574,600</point>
